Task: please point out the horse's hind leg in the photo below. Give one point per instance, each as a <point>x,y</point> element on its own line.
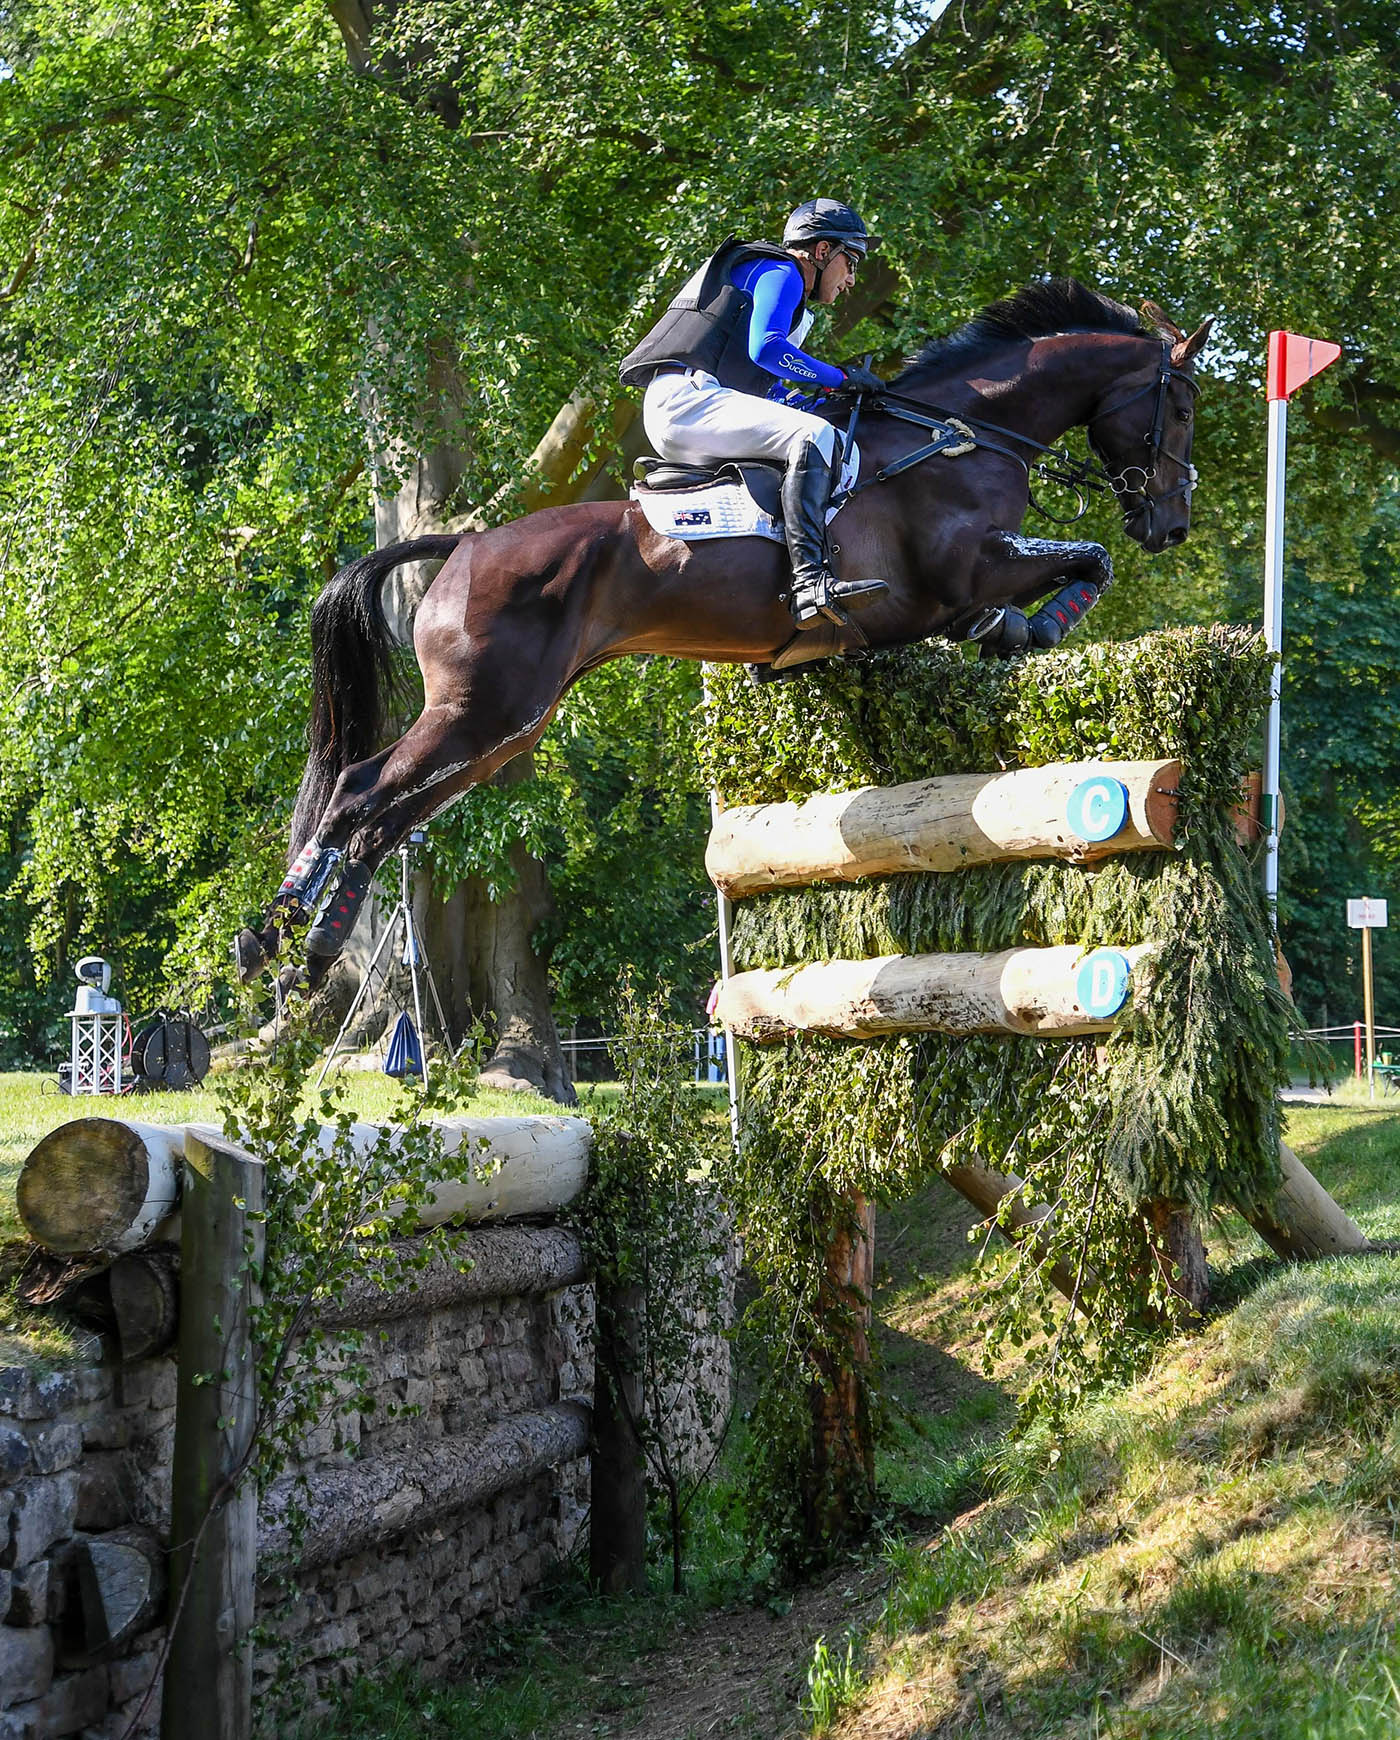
<point>377,802</point>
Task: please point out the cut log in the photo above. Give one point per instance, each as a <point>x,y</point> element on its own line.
<point>145,1291</point>
<point>95,1184</point>
<point>506,1262</point>
<point>102,1186</point>
<point>1079,811</point>
<point>1301,1220</point>
<point>349,1510</point>
<point>987,1191</point>
<point>509,1166</point>
<point>1056,991</point>
<point>121,1585</point>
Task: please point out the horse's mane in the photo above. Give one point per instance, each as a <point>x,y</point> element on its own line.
<point>1053,305</point>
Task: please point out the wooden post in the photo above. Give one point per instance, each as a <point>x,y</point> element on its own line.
<point>1180,1250</point>
<point>214,1526</point>
<point>617,1529</point>
<point>840,1488</point>
<point>1369,987</point>
<point>1301,1220</point>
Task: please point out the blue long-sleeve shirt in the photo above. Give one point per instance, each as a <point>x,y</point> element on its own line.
<point>776,288</point>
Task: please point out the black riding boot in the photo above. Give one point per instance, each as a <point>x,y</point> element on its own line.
<point>816,592</point>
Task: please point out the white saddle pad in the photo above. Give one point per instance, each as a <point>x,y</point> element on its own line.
<point>724,510</point>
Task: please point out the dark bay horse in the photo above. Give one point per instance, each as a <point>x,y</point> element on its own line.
<point>518,613</point>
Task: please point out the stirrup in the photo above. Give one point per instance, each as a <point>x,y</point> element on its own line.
<point>825,599</point>
<point>823,640</point>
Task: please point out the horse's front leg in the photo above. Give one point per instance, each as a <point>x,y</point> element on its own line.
<point>1013,571</point>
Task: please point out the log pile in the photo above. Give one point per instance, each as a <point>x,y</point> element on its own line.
<point>100,1197</point>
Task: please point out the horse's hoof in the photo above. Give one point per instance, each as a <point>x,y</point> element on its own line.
<point>317,966</point>
<point>251,953</point>
<point>291,982</point>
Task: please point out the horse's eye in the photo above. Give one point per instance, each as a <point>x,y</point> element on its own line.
<point>1184,414</point>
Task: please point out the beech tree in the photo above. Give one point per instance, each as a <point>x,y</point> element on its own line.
<point>277,280</point>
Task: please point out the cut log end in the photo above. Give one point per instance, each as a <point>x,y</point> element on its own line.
<point>121,1584</point>
<point>83,1185</point>
<point>145,1292</point>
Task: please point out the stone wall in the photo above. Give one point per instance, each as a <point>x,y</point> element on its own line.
<point>85,1452</point>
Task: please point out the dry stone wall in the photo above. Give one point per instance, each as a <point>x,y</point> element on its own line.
<point>85,1455</point>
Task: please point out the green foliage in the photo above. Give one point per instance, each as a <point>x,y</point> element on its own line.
<point>250,270</point>
<point>333,1218</point>
<point>1183,1105</point>
<point>654,1231</point>
<point>833,1683</point>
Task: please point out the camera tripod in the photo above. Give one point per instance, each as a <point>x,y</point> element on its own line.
<point>414,959</point>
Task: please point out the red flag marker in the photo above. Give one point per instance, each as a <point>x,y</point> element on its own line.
<point>1293,361</point>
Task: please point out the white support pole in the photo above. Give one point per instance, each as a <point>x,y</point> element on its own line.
<point>726,969</point>
<point>1273,636</point>
<point>725,912</point>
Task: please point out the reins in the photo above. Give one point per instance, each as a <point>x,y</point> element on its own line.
<point>1055,464</point>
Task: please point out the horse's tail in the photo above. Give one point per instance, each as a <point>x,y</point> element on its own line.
<point>352,672</point>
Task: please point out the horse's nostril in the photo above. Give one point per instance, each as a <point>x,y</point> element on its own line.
<point>1176,536</point>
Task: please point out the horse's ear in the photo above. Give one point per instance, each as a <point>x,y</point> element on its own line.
<point>1157,319</point>
<point>1188,348</point>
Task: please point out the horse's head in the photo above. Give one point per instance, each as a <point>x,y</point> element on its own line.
<point>1142,433</point>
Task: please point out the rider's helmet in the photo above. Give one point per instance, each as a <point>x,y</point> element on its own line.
<point>828,220</point>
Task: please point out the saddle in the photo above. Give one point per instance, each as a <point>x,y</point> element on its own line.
<point>739,499</point>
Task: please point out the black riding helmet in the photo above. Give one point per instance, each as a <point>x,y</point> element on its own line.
<point>828,220</point>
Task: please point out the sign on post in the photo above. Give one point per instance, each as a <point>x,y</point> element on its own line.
<point>1366,916</point>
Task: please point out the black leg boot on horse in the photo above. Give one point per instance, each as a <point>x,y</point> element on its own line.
<point>818,597</point>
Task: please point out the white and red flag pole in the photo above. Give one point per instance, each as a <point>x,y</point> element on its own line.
<point>1293,361</point>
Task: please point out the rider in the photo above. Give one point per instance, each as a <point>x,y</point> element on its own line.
<point>718,368</point>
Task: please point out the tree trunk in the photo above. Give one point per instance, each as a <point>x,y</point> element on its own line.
<point>839,1493</point>
<point>481,951</point>
<point>489,966</point>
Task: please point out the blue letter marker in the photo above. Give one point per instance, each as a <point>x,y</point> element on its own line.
<point>1101,985</point>
<point>1097,808</point>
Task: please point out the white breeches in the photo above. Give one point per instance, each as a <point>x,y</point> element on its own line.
<point>690,419</point>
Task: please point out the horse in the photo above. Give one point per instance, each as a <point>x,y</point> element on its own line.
<point>518,613</point>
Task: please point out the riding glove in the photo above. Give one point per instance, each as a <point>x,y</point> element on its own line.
<point>862,380</point>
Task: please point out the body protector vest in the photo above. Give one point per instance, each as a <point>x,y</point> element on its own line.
<point>707,325</point>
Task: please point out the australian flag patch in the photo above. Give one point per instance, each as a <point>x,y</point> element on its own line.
<point>691,517</point>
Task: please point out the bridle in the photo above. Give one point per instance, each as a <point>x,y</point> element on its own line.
<point>1055,464</point>
<point>1133,497</point>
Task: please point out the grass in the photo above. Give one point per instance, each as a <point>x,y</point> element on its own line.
<point>31,1106</point>
<point>1210,1550</point>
